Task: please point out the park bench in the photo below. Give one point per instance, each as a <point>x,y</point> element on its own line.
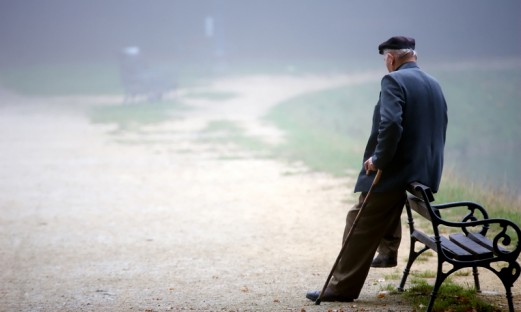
<point>475,241</point>
<point>139,80</point>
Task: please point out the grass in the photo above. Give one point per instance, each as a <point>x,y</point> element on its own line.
<point>132,117</point>
<point>484,129</point>
<point>451,297</point>
<point>424,274</point>
<point>228,132</point>
<point>464,272</point>
<point>63,79</point>
<point>323,128</point>
<point>393,276</point>
<point>424,257</point>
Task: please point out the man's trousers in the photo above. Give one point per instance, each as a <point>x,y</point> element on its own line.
<point>377,224</point>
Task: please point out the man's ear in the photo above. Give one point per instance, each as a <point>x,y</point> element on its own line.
<point>390,59</point>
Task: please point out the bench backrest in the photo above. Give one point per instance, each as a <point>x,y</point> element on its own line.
<point>419,200</point>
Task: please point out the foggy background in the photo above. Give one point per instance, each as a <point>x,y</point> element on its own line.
<point>58,31</point>
<point>242,33</point>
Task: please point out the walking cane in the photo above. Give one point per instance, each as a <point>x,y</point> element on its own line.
<point>375,181</point>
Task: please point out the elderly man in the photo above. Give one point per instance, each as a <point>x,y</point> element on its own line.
<point>406,142</point>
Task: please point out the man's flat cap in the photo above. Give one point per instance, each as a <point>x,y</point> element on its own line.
<point>397,43</point>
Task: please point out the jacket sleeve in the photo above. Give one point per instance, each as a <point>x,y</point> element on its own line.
<point>390,128</point>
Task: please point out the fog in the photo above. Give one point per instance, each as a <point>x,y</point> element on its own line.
<point>34,31</point>
<point>235,32</point>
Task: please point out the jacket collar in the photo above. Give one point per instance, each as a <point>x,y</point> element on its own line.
<point>408,65</point>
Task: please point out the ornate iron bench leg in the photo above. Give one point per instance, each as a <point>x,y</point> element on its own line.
<point>509,299</point>
<point>476,278</point>
<point>440,277</point>
<point>408,266</point>
<point>412,257</point>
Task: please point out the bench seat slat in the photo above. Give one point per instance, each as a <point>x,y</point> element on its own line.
<point>484,242</point>
<point>428,241</point>
<point>471,246</point>
<point>453,250</point>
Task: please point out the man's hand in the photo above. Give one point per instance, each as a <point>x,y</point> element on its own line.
<point>369,166</point>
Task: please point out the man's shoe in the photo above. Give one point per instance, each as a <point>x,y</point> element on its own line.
<point>328,296</point>
<point>313,295</point>
<point>382,261</point>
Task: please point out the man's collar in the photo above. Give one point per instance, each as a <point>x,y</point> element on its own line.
<point>411,64</point>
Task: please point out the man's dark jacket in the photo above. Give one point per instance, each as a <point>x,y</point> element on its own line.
<point>408,133</point>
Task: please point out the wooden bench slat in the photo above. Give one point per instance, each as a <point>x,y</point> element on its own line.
<point>453,250</point>
<point>471,246</point>
<point>484,242</point>
<point>428,241</point>
<point>419,206</point>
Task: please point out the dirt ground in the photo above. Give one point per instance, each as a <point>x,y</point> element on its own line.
<point>159,220</point>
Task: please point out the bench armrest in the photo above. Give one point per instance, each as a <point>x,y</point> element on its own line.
<point>471,206</point>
